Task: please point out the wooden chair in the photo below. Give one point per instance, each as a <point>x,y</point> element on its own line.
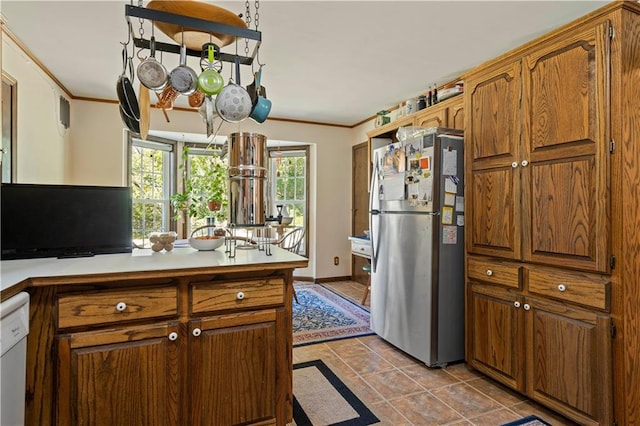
<point>366,268</point>
<point>292,241</point>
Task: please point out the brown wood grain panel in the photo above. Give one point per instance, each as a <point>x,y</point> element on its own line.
<point>562,211</point>
<point>495,347</point>
<point>494,211</point>
<point>431,117</point>
<point>628,217</point>
<point>589,290</point>
<point>568,370</point>
<point>492,114</point>
<point>455,115</point>
<point>240,360</point>
<point>219,296</point>
<point>494,272</point>
<point>131,382</point>
<point>100,307</point>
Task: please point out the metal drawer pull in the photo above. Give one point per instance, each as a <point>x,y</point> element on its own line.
<point>196,332</point>
<point>489,272</point>
<point>240,295</point>
<point>526,307</point>
<point>516,304</point>
<point>562,287</point>
<point>524,163</point>
<point>514,164</point>
<point>173,336</point>
<point>121,306</point>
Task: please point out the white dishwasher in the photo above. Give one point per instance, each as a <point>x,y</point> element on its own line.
<point>14,327</point>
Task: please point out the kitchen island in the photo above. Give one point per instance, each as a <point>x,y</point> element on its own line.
<point>174,338</point>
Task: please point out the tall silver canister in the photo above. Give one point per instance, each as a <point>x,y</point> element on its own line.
<point>247,178</point>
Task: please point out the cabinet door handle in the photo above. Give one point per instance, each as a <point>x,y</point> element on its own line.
<point>514,164</point>
<point>121,306</point>
<point>173,336</point>
<point>524,163</point>
<point>516,304</point>
<point>562,287</point>
<point>526,307</point>
<point>489,272</point>
<point>240,295</point>
<point>196,332</point>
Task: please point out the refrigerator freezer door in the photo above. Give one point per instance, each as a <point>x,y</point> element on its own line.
<point>401,286</point>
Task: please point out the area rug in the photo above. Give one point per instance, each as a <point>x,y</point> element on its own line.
<point>322,315</point>
<point>528,421</point>
<point>321,398</point>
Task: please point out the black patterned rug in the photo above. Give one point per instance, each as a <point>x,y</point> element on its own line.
<point>322,315</point>
<point>321,398</point>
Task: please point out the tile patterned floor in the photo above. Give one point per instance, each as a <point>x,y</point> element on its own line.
<point>403,391</point>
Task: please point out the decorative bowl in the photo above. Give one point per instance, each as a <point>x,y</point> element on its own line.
<point>206,243</point>
<point>286,221</point>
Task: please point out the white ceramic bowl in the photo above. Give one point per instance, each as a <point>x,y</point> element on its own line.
<point>203,244</point>
<point>286,221</point>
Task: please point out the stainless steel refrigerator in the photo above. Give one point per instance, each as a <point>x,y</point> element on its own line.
<point>417,229</point>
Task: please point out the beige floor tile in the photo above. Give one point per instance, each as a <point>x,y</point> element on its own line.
<point>311,352</point>
<point>392,384</point>
<point>430,378</point>
<point>399,358</point>
<point>376,343</point>
<point>500,393</point>
<point>338,366</point>
<point>348,347</point>
<point>462,371</point>
<point>425,409</point>
<point>465,400</point>
<point>363,391</point>
<point>493,418</point>
<point>367,363</point>
<point>388,415</point>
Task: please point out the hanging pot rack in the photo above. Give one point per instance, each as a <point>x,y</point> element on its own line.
<point>203,25</point>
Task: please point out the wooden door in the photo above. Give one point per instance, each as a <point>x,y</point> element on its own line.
<point>232,360</point>
<point>566,145</point>
<point>126,376</point>
<point>494,334</point>
<point>432,117</point>
<point>569,360</point>
<point>492,193</point>
<point>360,202</point>
<point>455,115</point>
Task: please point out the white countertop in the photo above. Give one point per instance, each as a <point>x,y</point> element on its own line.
<point>13,272</point>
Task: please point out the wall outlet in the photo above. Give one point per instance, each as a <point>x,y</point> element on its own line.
<point>336,260</point>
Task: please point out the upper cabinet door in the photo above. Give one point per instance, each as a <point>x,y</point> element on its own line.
<point>493,116</point>
<point>565,151</point>
<point>492,137</point>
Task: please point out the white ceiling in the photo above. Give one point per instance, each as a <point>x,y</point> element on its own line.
<point>335,62</point>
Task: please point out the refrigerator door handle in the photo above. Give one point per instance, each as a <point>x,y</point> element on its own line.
<point>372,193</point>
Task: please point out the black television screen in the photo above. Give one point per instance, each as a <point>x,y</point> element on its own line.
<point>64,220</point>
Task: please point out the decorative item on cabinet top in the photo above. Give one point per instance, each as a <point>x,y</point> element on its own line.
<point>199,29</point>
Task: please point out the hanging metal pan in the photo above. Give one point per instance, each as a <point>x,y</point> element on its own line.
<point>131,123</point>
<point>151,72</point>
<point>183,79</point>
<point>124,88</point>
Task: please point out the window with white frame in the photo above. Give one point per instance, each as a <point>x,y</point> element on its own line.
<point>152,181</point>
<point>289,177</point>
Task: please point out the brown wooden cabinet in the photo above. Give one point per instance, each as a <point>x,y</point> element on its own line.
<point>550,178</point>
<point>197,351</point>
<point>120,376</point>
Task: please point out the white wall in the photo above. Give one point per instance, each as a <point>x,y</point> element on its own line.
<point>98,158</point>
<point>93,152</point>
<point>42,142</point>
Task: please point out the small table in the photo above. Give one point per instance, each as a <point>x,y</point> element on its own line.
<point>361,246</point>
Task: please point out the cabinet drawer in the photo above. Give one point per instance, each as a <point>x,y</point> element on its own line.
<point>576,287</point>
<point>218,296</point>
<point>494,272</point>
<point>116,305</point>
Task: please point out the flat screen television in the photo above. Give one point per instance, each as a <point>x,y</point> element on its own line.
<point>64,220</point>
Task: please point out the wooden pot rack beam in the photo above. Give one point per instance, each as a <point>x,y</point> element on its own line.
<point>187,22</point>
